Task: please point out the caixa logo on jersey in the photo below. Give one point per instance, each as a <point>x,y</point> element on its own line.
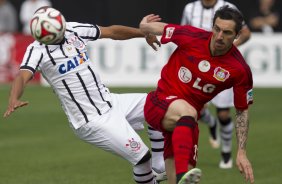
<point>73,63</point>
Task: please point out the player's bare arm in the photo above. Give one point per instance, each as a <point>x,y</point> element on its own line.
<point>16,92</point>
<point>242,128</point>
<point>152,27</point>
<point>150,38</point>
<point>118,32</point>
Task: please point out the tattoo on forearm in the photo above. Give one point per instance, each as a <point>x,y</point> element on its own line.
<point>242,128</point>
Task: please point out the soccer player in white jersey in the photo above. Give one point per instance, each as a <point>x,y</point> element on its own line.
<point>97,116</point>
<point>200,14</point>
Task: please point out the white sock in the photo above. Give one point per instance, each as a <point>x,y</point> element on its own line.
<point>157,148</point>
<point>226,137</point>
<point>143,173</point>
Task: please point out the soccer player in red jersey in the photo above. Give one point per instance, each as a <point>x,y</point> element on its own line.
<point>203,64</point>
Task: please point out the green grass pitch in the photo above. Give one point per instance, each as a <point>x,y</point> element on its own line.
<point>37,146</point>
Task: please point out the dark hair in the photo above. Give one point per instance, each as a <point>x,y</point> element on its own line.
<point>228,13</point>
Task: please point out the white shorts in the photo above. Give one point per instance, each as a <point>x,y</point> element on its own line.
<point>113,131</point>
<point>224,99</point>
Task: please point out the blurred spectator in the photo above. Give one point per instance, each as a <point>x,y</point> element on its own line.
<point>27,10</point>
<point>8,17</point>
<point>266,18</point>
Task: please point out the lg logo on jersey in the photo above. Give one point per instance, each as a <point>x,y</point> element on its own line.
<point>185,76</point>
<point>207,88</point>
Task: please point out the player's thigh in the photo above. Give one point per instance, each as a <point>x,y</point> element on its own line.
<point>114,134</point>
<point>177,109</point>
<point>132,106</point>
<point>224,99</point>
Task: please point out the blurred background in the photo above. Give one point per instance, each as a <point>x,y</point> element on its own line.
<point>129,12</point>
<point>263,51</point>
<point>36,144</point>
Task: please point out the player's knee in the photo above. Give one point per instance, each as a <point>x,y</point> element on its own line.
<point>225,121</point>
<point>145,158</point>
<point>223,114</point>
<point>177,109</point>
<point>187,121</point>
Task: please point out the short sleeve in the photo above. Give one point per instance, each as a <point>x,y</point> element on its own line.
<point>182,35</point>
<point>175,34</point>
<point>32,58</point>
<point>243,90</point>
<point>88,32</point>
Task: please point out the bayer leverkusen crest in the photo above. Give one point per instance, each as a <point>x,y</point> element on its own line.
<point>221,74</point>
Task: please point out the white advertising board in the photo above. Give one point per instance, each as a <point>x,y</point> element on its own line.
<point>264,55</point>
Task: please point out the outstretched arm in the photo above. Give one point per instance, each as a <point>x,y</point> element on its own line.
<point>242,128</point>
<point>16,92</point>
<point>118,32</point>
<point>152,27</point>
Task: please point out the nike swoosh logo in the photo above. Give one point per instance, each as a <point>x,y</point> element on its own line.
<point>53,50</point>
<point>171,97</point>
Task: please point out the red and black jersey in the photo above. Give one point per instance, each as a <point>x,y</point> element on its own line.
<point>193,74</point>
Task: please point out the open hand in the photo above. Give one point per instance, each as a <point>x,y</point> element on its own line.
<point>152,40</point>
<point>149,19</point>
<point>13,106</point>
<point>245,167</point>
<point>152,18</point>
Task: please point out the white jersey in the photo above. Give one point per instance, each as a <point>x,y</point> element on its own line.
<point>71,74</point>
<point>197,15</point>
